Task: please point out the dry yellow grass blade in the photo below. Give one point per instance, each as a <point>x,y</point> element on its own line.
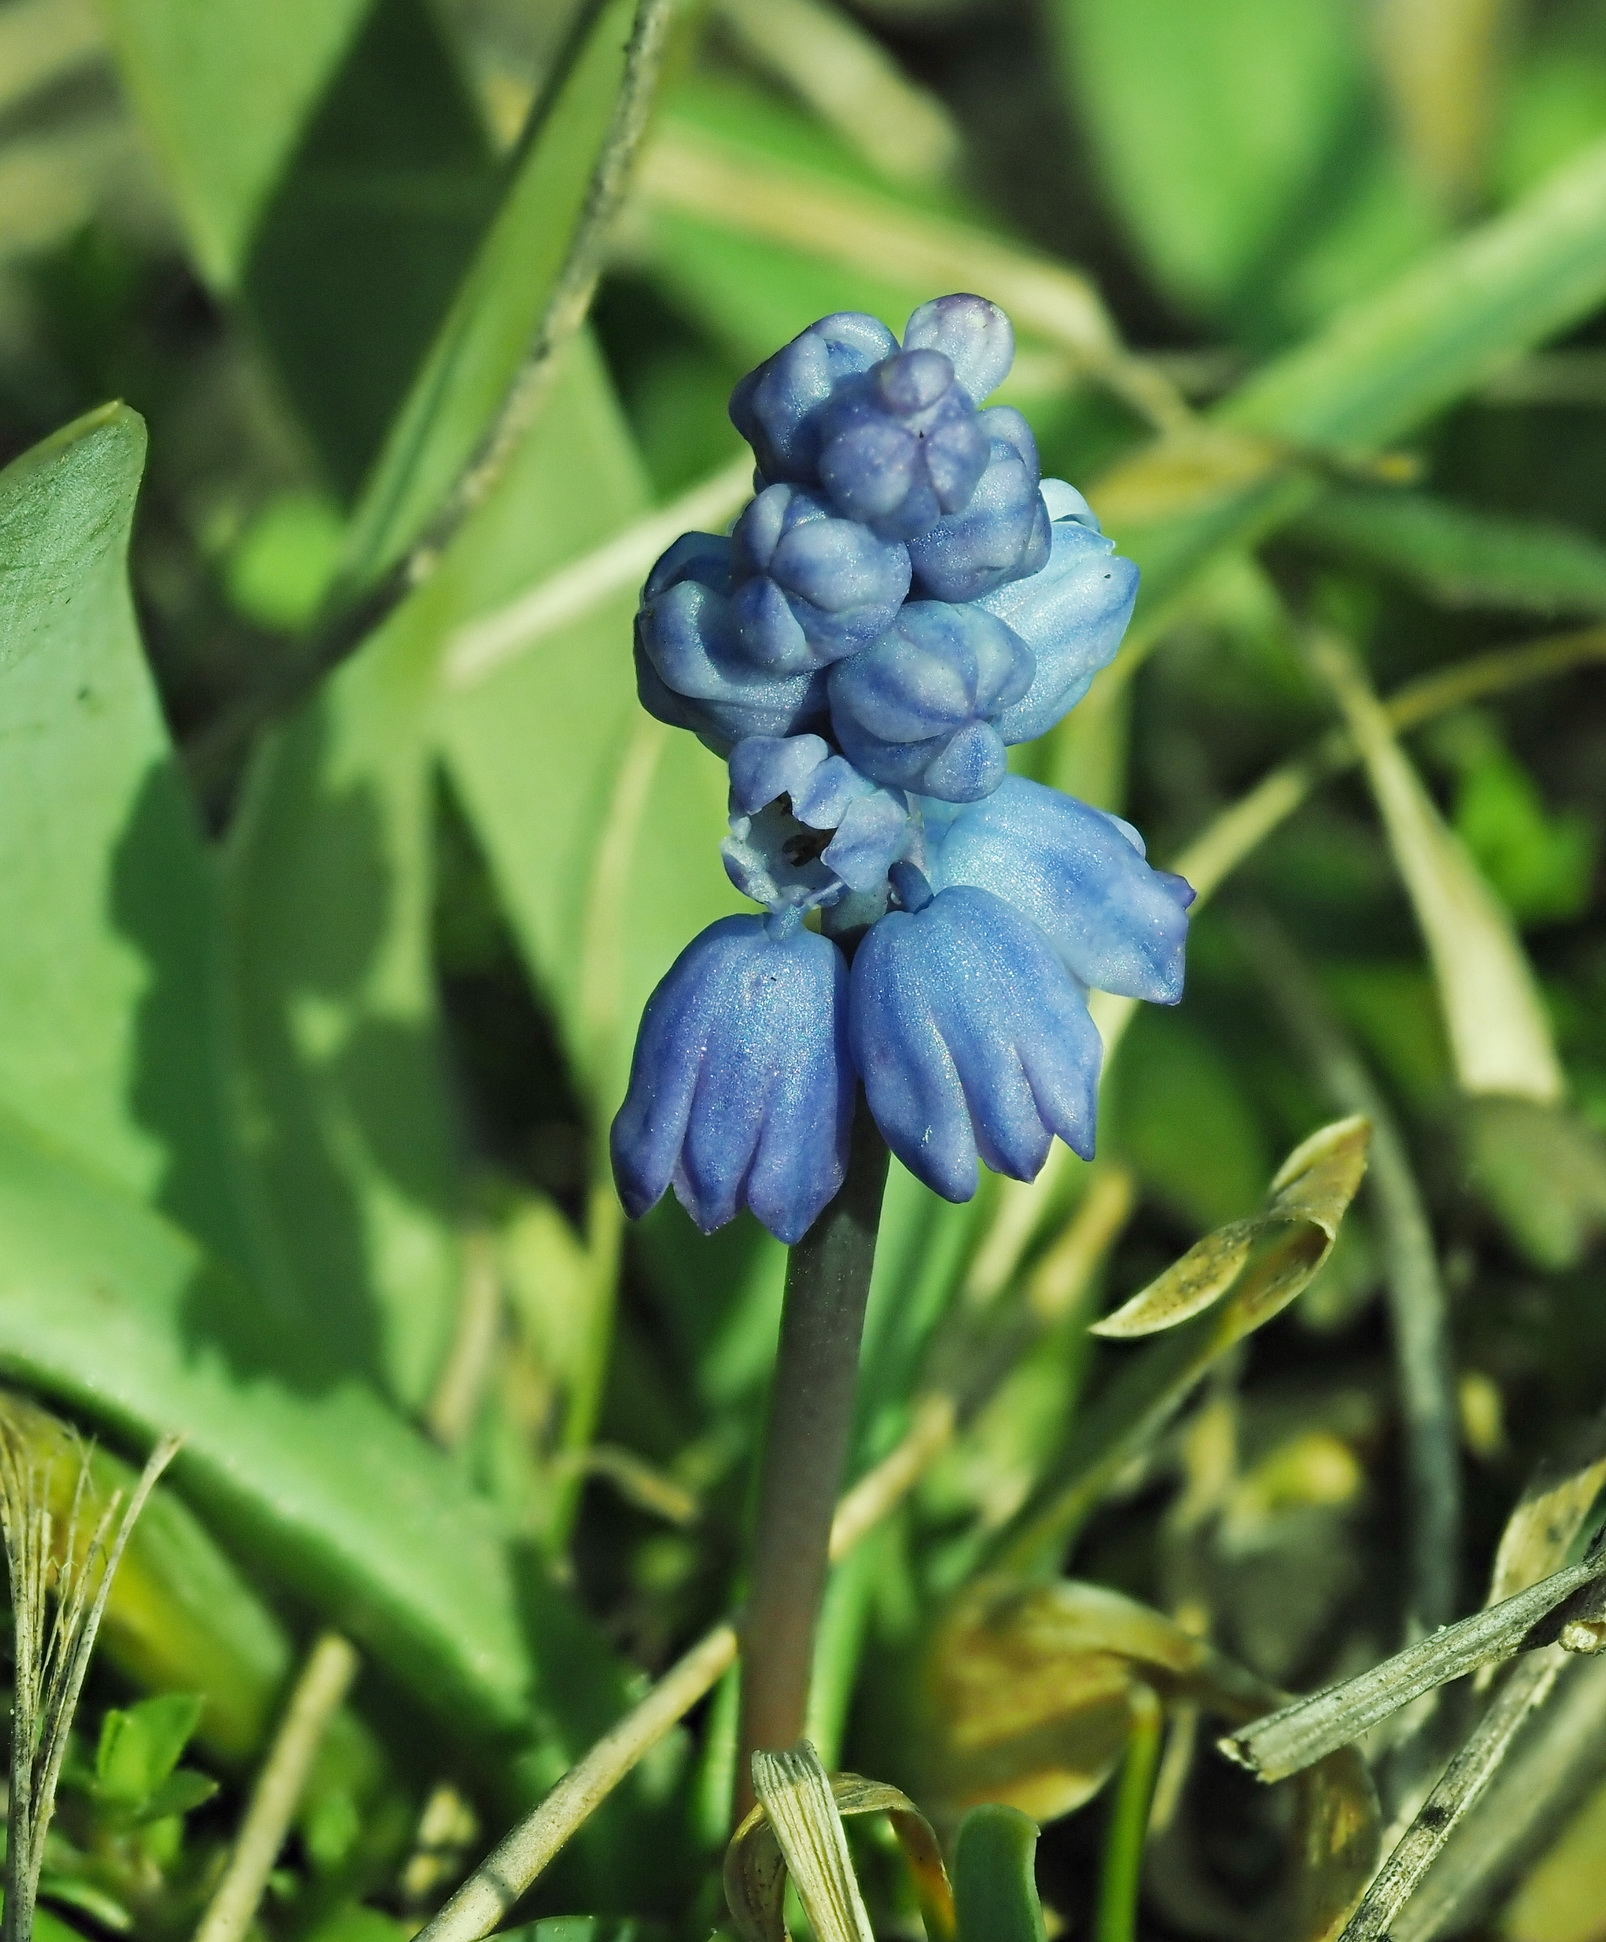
<point>1500,1038</point>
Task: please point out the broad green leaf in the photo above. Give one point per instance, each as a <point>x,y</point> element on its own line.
<point>505,295</point>
<point>1240,141</point>
<point>110,1309</point>
<point>349,1120</point>
<point>368,233</point>
<point>1462,557</point>
<point>601,826</point>
<point>224,88</point>
<point>142,1744</point>
<point>110,1017</point>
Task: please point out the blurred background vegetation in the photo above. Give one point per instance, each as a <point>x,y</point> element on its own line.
<point>1310,300</point>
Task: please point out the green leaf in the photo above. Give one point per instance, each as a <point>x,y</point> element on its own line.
<point>602,828</point>
<point>107,1307</point>
<point>1381,368</point>
<point>342,1074</point>
<point>505,295</point>
<point>1179,1113</point>
<point>1461,557</point>
<point>379,212</point>
<point>111,1026</point>
<point>995,1883</point>
<point>1242,142</point>
<point>224,88</point>
<point>140,1747</point>
<point>1394,359</point>
<point>179,1793</point>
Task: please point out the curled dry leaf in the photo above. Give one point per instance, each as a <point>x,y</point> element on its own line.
<point>1549,1515</point>
<point>1028,1699</point>
<point>1028,1691</point>
<point>1268,1258</point>
<point>1338,1831</point>
<point>787,1833</point>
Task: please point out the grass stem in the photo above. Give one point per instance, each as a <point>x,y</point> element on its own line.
<point>324,1682</point>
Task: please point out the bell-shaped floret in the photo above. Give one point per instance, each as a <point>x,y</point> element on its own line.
<point>918,710</point>
<point>1080,876</point>
<point>810,588</point>
<point>854,828</point>
<point>974,335</point>
<point>971,1038</point>
<point>1071,614</point>
<point>902,445</point>
<point>693,668</point>
<point>775,407</point>
<point>742,1088</point>
<point>1002,535</point>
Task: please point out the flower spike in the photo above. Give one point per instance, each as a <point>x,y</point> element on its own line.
<point>904,598</point>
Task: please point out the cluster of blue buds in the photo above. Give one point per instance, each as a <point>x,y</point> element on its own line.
<point>903,599</point>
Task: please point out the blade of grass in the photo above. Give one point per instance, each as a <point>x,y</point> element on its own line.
<point>1462,1783</point>
<point>849,79</point>
<point>1500,1037</point>
<point>1122,1875</point>
<point>50,1670</point>
<point>483,647</point>
<point>1296,1736</point>
<point>1538,1786</point>
<point>1418,1309</point>
<point>320,1689</point>
<point>699,175</point>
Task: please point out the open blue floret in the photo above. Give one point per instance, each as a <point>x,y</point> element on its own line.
<point>904,598</point>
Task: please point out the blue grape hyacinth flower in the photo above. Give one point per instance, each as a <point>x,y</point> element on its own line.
<point>971,1037</point>
<point>904,598</point>
<point>741,1092</point>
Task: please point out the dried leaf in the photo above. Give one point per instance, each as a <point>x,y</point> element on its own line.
<point>1499,1034</point>
<point>1297,1735</point>
<point>801,1815</point>
<point>1268,1258</point>
<point>1549,1515</point>
<point>797,1800</point>
<point>1027,1695</point>
<point>1338,1831</point>
<point>918,1839</point>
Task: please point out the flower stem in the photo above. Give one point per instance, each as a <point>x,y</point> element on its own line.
<point>805,1454</point>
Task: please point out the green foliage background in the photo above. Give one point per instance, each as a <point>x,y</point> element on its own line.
<point>322,945</point>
